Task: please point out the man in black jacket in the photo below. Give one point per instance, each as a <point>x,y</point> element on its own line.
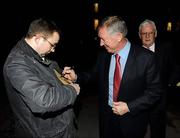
<point>167,67</point>
<point>41,100</point>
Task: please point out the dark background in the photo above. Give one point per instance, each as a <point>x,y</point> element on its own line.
<point>78,46</point>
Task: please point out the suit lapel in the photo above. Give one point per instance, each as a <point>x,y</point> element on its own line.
<point>106,75</point>
<point>128,70</point>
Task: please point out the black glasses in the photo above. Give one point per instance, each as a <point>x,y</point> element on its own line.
<point>52,45</point>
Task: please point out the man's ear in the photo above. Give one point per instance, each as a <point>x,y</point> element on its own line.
<point>155,34</point>
<point>119,36</point>
<point>139,35</point>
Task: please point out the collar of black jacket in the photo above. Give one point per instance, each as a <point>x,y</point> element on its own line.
<point>32,53</point>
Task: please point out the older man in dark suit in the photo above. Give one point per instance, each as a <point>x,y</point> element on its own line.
<point>167,67</point>
<point>138,85</point>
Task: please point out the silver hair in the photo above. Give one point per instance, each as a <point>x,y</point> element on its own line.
<point>145,22</point>
<point>114,24</point>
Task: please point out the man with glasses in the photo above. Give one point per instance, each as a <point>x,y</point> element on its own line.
<point>41,102</point>
<point>52,45</point>
<point>168,70</point>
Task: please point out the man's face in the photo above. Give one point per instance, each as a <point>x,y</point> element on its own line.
<point>49,43</point>
<point>110,42</point>
<point>147,35</point>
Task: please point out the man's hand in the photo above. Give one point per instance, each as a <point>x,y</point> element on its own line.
<point>76,86</point>
<point>120,108</point>
<point>69,74</point>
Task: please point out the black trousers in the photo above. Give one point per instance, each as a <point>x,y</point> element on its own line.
<point>157,120</point>
<point>112,126</point>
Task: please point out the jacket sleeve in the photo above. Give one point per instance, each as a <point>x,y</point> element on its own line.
<point>38,94</point>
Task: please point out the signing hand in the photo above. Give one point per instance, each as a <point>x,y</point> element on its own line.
<point>69,74</point>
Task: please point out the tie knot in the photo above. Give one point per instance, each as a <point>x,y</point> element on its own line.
<point>117,57</point>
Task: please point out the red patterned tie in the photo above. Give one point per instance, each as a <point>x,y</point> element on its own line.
<point>117,78</point>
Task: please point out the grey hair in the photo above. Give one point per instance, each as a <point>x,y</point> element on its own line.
<point>114,24</point>
<point>145,22</point>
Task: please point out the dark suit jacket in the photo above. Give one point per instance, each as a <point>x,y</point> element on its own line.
<point>166,63</point>
<point>140,87</point>
<point>168,72</point>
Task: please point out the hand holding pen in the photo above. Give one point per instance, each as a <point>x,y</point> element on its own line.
<point>69,74</point>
